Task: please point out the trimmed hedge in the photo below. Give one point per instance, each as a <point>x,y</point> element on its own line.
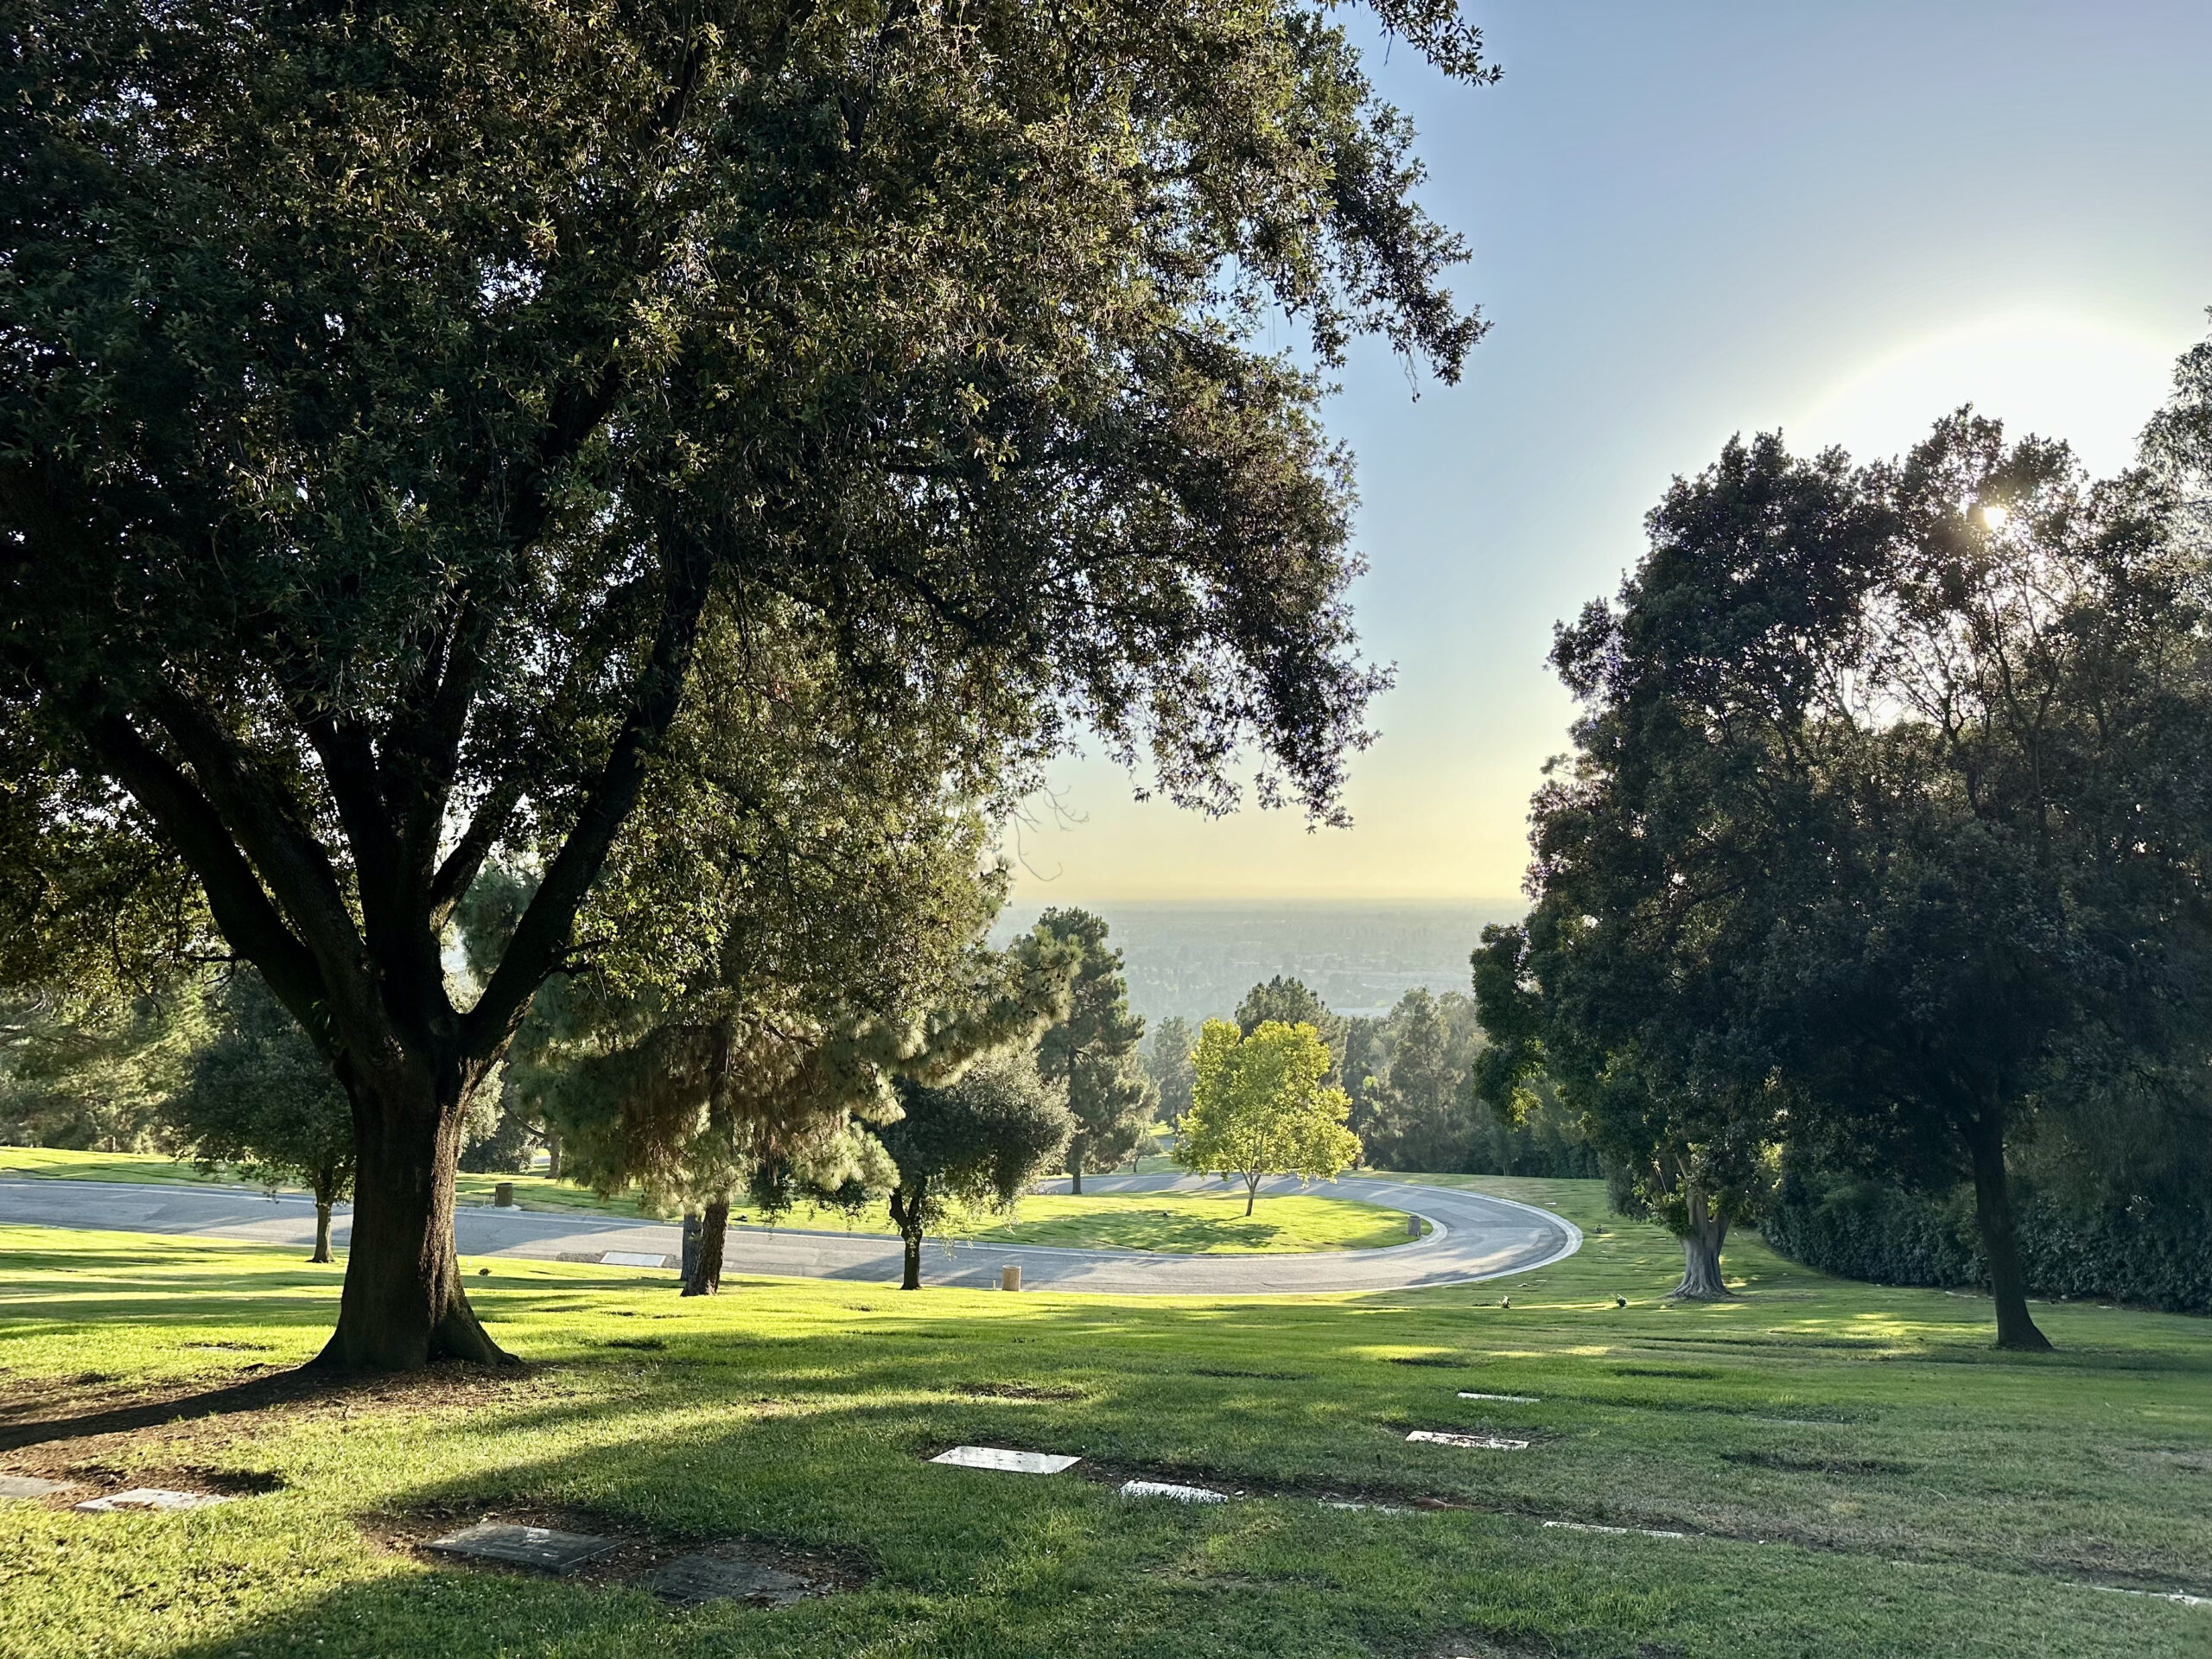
<point>1879,1232</point>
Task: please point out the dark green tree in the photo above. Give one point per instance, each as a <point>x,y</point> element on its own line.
<point>1880,825</point>
<point>1169,1060</point>
<point>1417,1116</point>
<point>1287,1001</point>
<point>390,396</point>
<point>980,1142</point>
<point>1092,1054</point>
<point>260,1099</point>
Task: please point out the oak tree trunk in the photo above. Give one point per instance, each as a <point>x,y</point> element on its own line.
<point>322,1231</point>
<point>2000,1244</point>
<point>706,1278</point>
<point>403,1305</point>
<point>1702,1281</point>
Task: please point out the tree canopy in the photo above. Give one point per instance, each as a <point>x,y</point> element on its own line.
<point>981,1140</point>
<point>1261,1107</point>
<point>1881,824</point>
<point>393,396</point>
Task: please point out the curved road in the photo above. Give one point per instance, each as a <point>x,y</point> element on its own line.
<point>1472,1237</point>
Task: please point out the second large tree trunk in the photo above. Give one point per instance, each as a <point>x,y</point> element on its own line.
<point>322,1230</point>
<point>403,1305</point>
<point>1702,1281</point>
<point>706,1267</point>
<point>2001,1243</point>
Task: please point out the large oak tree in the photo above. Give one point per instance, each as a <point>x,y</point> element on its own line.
<point>388,391</point>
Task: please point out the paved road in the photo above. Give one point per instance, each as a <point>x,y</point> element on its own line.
<point>1472,1237</point>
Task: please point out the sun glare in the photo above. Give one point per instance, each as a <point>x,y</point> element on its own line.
<point>2093,384</point>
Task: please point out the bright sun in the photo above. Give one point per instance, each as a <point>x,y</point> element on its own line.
<point>2093,384</point>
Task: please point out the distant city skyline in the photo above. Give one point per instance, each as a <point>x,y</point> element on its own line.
<point>1692,221</point>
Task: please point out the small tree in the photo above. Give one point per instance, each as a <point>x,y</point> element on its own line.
<point>1093,1054</point>
<point>981,1140</point>
<point>259,1097</point>
<point>1261,1107</point>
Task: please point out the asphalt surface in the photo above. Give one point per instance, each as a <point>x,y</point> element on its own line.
<point>1472,1237</point>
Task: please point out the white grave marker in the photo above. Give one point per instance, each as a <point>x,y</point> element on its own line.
<point>1013,1463</point>
<point>149,1497</point>
<point>1517,1399</point>
<point>1477,1442</point>
<point>1165,1489</point>
<point>632,1258</point>
<point>29,1486</point>
<point>1639,1532</point>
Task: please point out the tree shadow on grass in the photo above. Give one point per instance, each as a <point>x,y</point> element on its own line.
<point>161,1407</point>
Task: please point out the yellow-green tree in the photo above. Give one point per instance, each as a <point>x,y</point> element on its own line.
<point>1260,1106</point>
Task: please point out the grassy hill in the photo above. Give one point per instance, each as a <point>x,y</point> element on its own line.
<point>1856,1470</point>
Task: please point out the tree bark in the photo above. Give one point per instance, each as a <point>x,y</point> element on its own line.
<point>706,1270</point>
<point>1074,1165</point>
<point>2000,1244</point>
<point>403,1305</point>
<point>322,1231</point>
<point>1251,1192</point>
<point>1701,1279</point>
<point>552,1156</point>
<point>907,1216</point>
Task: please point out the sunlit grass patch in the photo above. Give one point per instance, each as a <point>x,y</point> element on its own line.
<point>1857,1469</point>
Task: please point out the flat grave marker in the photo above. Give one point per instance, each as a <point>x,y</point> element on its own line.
<point>1169,1490</point>
<point>724,1575</point>
<point>1476,1442</point>
<point>632,1258</point>
<point>1011,1463</point>
<point>539,1547</point>
<point>149,1497</point>
<point>29,1486</point>
<point>1637,1531</point>
<point>1515,1399</point>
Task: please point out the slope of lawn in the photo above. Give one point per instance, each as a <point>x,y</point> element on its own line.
<point>54,1163</point>
<point>1859,1472</point>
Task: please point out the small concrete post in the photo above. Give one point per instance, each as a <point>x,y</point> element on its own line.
<point>1413,1226</point>
<point>1009,1278</point>
<point>503,1195</point>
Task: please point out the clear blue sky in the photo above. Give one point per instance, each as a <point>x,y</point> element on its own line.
<point>1691,220</point>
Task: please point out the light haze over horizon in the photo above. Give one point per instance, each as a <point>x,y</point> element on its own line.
<point>1689,221</point>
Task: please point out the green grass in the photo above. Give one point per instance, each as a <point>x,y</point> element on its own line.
<point>1196,1224</point>
<point>54,1163</point>
<point>1865,1473</point>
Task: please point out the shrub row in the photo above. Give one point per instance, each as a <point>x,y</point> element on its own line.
<point>1875,1231</point>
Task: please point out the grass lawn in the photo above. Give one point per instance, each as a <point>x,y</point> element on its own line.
<point>532,1191</point>
<point>1861,1473</point>
<point>1195,1224</point>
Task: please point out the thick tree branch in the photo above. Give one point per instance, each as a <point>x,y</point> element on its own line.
<point>250,922</point>
<point>285,855</point>
<point>462,864</point>
<point>542,935</point>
